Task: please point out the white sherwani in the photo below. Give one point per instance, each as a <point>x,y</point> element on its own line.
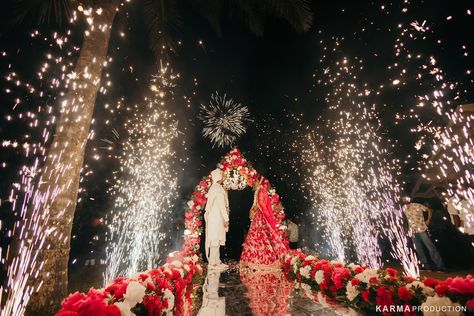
<point>212,304</point>
<point>216,214</point>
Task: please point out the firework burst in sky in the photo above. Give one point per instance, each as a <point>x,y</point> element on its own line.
<point>224,120</point>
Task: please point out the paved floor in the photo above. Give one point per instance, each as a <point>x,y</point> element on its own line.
<point>235,292</point>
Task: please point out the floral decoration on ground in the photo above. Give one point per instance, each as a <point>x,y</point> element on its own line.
<point>239,174</point>
<point>162,291</point>
<point>363,288</point>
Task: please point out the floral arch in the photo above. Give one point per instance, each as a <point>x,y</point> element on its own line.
<point>238,174</point>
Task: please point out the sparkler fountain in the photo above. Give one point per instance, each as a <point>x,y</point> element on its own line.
<point>147,192</point>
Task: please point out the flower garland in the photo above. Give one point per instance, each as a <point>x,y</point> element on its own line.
<point>238,174</point>
<point>376,290</point>
<point>163,291</point>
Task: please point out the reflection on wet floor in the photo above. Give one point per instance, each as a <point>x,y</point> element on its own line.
<point>236,292</point>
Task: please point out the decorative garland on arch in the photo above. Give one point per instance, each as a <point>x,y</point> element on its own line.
<point>238,174</point>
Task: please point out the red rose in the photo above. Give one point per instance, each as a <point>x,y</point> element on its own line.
<point>153,305</point>
<point>384,296</point>
<point>404,294</point>
<point>66,313</point>
<point>359,270</point>
<point>374,280</point>
<point>470,304</point>
<point>442,289</point>
<point>391,272</point>
<point>93,304</point>
<point>365,295</point>
<point>431,282</point>
<point>339,276</point>
<point>73,302</point>
<point>462,286</point>
<point>112,310</point>
<point>199,223</point>
<point>355,281</point>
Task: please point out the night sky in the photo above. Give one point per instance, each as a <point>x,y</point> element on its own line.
<point>275,75</point>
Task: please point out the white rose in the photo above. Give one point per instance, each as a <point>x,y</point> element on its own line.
<point>187,232</point>
<point>351,291</point>
<point>417,284</point>
<point>310,258</point>
<point>195,258</point>
<point>366,275</point>
<point>322,300</point>
<point>307,290</point>
<point>293,260</point>
<point>167,294</point>
<point>319,276</point>
<point>295,268</point>
<point>353,266</point>
<point>438,306</point>
<point>177,263</point>
<point>124,308</point>
<point>186,267</point>
<point>305,272</point>
<point>135,293</point>
<point>190,203</point>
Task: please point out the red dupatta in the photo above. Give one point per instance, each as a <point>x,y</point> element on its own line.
<point>265,206</point>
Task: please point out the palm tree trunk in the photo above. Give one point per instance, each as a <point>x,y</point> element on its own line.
<point>64,162</point>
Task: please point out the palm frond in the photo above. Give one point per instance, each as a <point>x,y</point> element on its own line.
<point>253,18</point>
<point>163,20</point>
<point>297,12</point>
<point>255,13</point>
<point>40,11</point>
<point>212,11</point>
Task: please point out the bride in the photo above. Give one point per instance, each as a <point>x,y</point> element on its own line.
<point>263,248</point>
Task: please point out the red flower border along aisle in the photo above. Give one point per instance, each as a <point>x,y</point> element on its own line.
<point>383,291</point>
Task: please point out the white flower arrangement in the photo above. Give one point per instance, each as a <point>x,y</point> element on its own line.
<point>307,290</point>
<point>170,297</point>
<point>353,266</point>
<point>351,291</point>
<point>319,277</point>
<point>124,308</point>
<point>417,284</point>
<point>234,180</point>
<point>134,294</point>
<point>306,272</point>
<point>440,306</point>
<point>367,274</point>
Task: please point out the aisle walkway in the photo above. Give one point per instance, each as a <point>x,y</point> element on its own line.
<point>231,292</point>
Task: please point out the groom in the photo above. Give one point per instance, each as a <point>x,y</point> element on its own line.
<point>217,220</point>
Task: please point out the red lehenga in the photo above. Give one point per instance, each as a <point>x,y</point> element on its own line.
<point>263,248</point>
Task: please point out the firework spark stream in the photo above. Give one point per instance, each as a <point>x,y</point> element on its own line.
<point>443,130</point>
<point>351,178</point>
<point>146,194</point>
<point>224,120</point>
<point>33,110</point>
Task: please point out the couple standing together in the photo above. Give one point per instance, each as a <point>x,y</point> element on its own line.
<point>263,248</point>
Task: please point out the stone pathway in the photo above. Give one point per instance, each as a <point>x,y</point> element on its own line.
<point>235,292</point>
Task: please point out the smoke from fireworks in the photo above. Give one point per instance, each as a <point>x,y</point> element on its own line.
<point>145,196</point>
<point>224,120</point>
